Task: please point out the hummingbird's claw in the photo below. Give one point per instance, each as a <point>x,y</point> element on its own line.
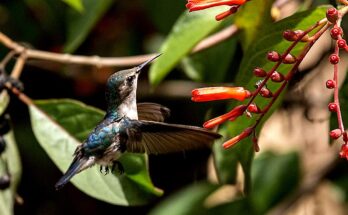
<point>104,170</point>
<point>119,166</point>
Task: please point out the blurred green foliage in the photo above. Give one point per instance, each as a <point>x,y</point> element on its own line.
<point>117,28</point>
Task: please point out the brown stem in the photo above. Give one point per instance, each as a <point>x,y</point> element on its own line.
<point>6,59</point>
<point>20,95</point>
<point>108,61</point>
<point>18,67</point>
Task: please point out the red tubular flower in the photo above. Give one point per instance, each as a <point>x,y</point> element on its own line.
<point>219,93</point>
<point>238,138</point>
<point>232,115</point>
<point>194,5</point>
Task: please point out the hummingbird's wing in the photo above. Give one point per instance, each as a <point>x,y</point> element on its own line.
<point>159,137</point>
<point>152,112</point>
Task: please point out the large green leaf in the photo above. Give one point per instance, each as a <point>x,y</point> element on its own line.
<point>187,201</point>
<point>202,66</point>
<point>251,18</point>
<point>274,178</point>
<point>186,33</point>
<point>79,24</point>
<point>12,160</point>
<point>60,125</point>
<point>270,38</point>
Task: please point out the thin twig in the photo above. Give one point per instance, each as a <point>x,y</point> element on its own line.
<point>18,67</point>
<point>6,59</point>
<point>20,95</point>
<point>16,72</point>
<point>107,61</point>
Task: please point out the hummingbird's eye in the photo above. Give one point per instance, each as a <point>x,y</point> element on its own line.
<point>130,79</point>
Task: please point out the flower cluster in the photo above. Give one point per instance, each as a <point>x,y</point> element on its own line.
<point>333,16</point>
<point>194,5</point>
<point>239,93</point>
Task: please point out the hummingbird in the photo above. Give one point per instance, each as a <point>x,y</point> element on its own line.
<point>128,126</point>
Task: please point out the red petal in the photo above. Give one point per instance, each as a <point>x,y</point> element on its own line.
<point>344,151</point>
<point>225,14</point>
<point>238,138</point>
<point>219,93</point>
<point>237,111</point>
<point>203,4</point>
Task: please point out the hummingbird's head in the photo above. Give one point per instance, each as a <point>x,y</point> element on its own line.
<point>121,84</point>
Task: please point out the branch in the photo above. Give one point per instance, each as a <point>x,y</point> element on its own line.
<point>107,61</point>
<point>18,67</point>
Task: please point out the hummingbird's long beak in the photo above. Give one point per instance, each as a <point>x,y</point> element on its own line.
<point>141,66</point>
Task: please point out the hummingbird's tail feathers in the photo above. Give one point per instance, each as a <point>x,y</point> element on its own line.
<point>75,167</point>
<point>158,137</point>
<point>152,112</point>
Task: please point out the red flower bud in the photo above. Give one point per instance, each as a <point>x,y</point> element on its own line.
<point>289,59</point>
<point>253,108</point>
<point>264,92</point>
<point>344,151</point>
<point>277,77</point>
<point>273,56</point>
<point>233,114</point>
<point>335,32</point>
<point>334,59</point>
<point>335,134</point>
<point>219,93</point>
<point>341,43</point>
<point>332,107</point>
<point>290,35</point>
<point>258,72</point>
<point>238,138</point>
<point>225,14</point>
<point>332,14</point>
<point>330,84</point>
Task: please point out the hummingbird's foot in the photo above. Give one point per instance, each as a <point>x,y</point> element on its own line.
<point>104,170</point>
<point>119,166</point>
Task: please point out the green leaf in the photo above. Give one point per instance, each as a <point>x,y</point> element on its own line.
<point>4,101</point>
<point>251,18</point>
<point>240,206</point>
<point>270,38</point>
<point>60,125</point>
<point>80,24</point>
<point>10,159</point>
<point>187,201</point>
<point>185,34</point>
<point>274,178</point>
<point>202,66</point>
<point>75,4</point>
